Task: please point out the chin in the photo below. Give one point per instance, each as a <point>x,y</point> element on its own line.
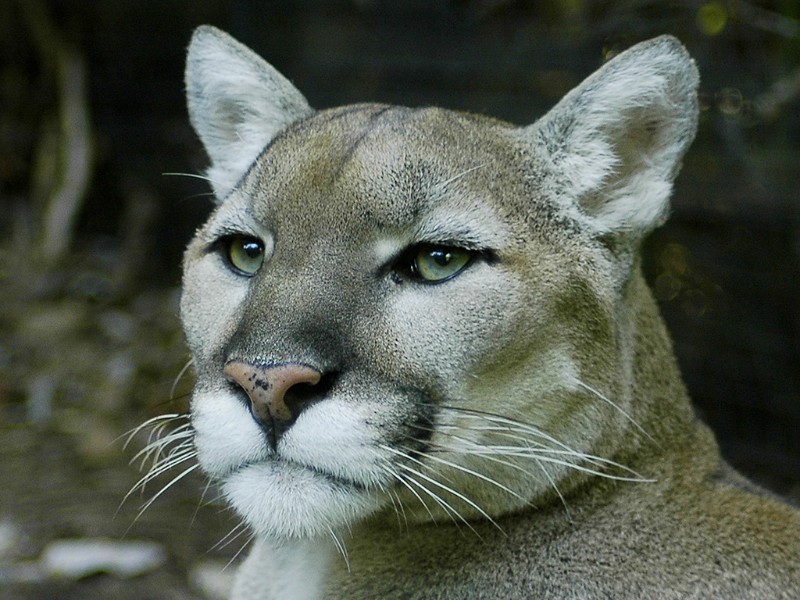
<point>279,499</point>
<point>327,472</point>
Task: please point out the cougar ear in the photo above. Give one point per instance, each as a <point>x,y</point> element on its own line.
<point>237,103</point>
<point>616,141</point>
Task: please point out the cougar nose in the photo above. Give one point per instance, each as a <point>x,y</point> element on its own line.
<point>268,388</point>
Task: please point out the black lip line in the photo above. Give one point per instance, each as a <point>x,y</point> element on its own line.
<point>318,472</point>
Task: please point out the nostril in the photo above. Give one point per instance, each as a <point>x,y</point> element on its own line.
<point>298,397</point>
<point>304,394</point>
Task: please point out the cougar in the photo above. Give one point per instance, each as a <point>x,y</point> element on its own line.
<point>427,362</point>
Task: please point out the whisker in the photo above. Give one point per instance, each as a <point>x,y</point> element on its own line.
<point>399,509</point>
<point>340,547</point>
<point>538,455</point>
<point>158,469</point>
<point>177,455</point>
<point>617,407</point>
<point>182,372</point>
<point>174,480</point>
<point>405,484</point>
<point>443,184</point>
<point>139,428</point>
<point>520,427</point>
<point>441,485</point>
<point>513,429</point>
<point>234,534</point>
<point>162,452</point>
<point>506,463</point>
<point>407,481</point>
<point>155,448</point>
<point>239,551</point>
<point>190,175</point>
<point>502,431</point>
<point>469,471</point>
<point>451,512</point>
<point>526,442</point>
<point>552,482</point>
<point>200,502</point>
<point>199,195</point>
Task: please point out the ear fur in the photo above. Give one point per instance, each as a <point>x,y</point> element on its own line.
<point>618,138</point>
<point>237,103</point>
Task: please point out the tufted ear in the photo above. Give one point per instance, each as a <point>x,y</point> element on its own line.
<point>237,103</point>
<point>616,141</point>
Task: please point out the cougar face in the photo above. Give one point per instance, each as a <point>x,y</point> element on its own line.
<point>361,297</point>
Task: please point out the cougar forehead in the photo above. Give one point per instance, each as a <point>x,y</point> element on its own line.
<point>374,168</point>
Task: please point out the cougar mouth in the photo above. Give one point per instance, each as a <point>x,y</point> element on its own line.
<point>277,461</point>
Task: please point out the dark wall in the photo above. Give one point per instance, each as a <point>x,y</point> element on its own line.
<point>726,268</point>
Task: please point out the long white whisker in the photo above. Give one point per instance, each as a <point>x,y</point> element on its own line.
<point>158,469</point>
<point>502,430</point>
<point>513,430</point>
<point>179,377</point>
<point>233,535</point>
<point>184,452</point>
<point>520,427</point>
<point>451,512</point>
<point>340,547</point>
<point>517,425</point>
<point>404,483</point>
<point>555,487</point>
<point>156,447</point>
<point>174,480</point>
<point>200,502</point>
<point>399,509</point>
<point>133,432</point>
<point>440,485</point>
<point>505,431</point>
<point>481,476</point>
<point>238,552</point>
<point>617,407</point>
<point>488,456</point>
<point>157,437</point>
<point>190,175</point>
<point>537,455</point>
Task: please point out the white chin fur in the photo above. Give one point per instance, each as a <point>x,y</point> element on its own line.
<point>316,482</point>
<point>280,500</point>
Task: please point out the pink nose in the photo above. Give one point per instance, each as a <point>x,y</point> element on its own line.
<point>268,388</point>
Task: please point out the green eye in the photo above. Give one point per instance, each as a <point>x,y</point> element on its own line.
<point>438,263</point>
<point>244,254</point>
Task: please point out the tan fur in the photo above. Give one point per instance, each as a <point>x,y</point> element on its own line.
<point>517,431</point>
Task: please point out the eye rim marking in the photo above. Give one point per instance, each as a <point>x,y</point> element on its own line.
<point>406,266</point>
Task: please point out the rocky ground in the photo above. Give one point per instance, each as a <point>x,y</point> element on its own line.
<point>57,505</point>
<point>85,356</point>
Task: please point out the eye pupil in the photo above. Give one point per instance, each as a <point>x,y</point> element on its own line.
<point>442,257</point>
<point>252,249</point>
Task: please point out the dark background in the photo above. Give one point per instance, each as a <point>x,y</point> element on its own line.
<point>90,342</point>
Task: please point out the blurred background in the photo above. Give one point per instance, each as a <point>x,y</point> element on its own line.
<point>94,214</point>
